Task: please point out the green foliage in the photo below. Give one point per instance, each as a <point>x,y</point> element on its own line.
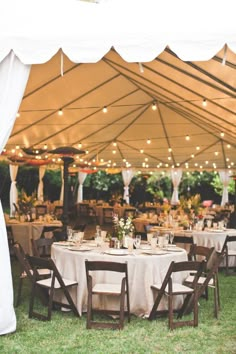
<point>159,186</point>
<point>218,186</point>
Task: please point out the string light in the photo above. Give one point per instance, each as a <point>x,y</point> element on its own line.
<point>114,143</point>
<point>204,102</point>
<point>197,147</point>
<point>222,134</point>
<point>148,141</point>
<point>80,145</point>
<point>154,106</point>
<point>141,151</point>
<point>104,109</point>
<point>187,137</point>
<point>45,146</point>
<point>60,112</point>
<point>17,114</point>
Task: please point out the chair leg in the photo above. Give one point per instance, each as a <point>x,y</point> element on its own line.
<point>18,299</point>
<point>122,310</point>
<point>155,306</point>
<point>89,310</point>
<point>128,306</point>
<point>195,310</point>
<point>50,304</point>
<point>218,288</point>
<point>31,303</point>
<point>171,315</point>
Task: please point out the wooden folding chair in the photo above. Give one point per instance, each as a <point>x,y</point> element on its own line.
<point>197,253</point>
<point>41,247</point>
<point>108,213</point>
<point>209,278</point>
<point>121,289</point>
<point>26,272</point>
<point>229,253</point>
<point>171,289</point>
<point>52,284</point>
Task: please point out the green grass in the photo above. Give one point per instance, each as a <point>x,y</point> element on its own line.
<point>67,334</point>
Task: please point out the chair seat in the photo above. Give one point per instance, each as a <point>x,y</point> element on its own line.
<point>42,272</point>
<point>107,289</point>
<point>201,280</point>
<point>47,283</point>
<point>231,253</point>
<point>177,288</point>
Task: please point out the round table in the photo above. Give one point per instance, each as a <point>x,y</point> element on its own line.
<point>144,270</point>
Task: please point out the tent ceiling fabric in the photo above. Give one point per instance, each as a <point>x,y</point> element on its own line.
<point>126,68</point>
<point>139,30</point>
<point>177,87</point>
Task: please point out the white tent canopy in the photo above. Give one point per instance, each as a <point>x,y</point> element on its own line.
<point>139,31</point>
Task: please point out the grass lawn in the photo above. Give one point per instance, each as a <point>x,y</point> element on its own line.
<point>67,334</point>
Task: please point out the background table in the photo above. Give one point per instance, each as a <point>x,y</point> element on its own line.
<point>24,232</point>
<point>143,271</point>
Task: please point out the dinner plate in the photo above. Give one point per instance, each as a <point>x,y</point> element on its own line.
<point>172,249</point>
<point>145,247</point>
<point>155,253</point>
<point>80,249</point>
<point>117,252</point>
<point>63,243</point>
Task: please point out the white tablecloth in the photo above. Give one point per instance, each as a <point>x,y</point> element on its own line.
<point>24,232</point>
<point>215,238</point>
<point>143,271</point>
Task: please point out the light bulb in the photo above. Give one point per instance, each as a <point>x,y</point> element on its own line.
<point>204,102</point>
<point>154,106</point>
<point>104,109</point>
<point>60,112</point>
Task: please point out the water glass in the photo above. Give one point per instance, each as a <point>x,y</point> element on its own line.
<point>149,237</point>
<point>209,222</point>
<point>130,244</point>
<point>137,241</point>
<point>153,243</point>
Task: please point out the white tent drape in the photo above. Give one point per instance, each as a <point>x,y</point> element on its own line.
<point>13,79</point>
<point>42,170</point>
<point>62,184</point>
<point>127,176</point>
<point>176,175</point>
<point>81,179</point>
<point>225,179</point>
<point>13,190</point>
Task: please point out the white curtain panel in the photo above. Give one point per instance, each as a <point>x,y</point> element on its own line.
<point>81,179</point>
<point>127,176</point>
<point>42,170</point>
<point>176,175</point>
<point>13,79</point>
<point>62,184</point>
<point>13,190</point>
<point>225,179</point>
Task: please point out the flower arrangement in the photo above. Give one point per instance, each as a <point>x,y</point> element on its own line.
<point>191,205</point>
<point>25,202</point>
<point>122,227</point>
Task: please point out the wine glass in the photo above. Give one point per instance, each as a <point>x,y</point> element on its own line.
<point>137,241</point>
<point>171,237</point>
